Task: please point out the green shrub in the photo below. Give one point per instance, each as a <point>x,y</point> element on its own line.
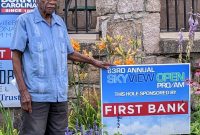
<point>84,114</point>
<point>7,125</point>
<point>195,121</point>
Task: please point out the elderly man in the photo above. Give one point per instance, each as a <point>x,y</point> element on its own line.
<point>40,48</point>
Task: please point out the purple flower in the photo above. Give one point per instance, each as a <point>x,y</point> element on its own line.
<point>180,37</point>
<point>91,131</point>
<point>191,20</point>
<point>97,133</point>
<point>81,129</point>
<point>77,125</point>
<point>95,126</point>
<point>88,133</point>
<point>193,25</point>
<point>68,132</point>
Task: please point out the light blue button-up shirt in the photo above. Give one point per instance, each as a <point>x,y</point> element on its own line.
<point>44,60</point>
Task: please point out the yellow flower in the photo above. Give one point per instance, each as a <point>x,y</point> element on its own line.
<point>119,38</point>
<point>82,76</point>
<point>88,54</point>
<point>117,62</point>
<point>101,46</point>
<point>119,51</point>
<point>131,42</point>
<point>109,38</point>
<point>75,45</point>
<point>129,61</point>
<point>139,42</point>
<point>85,52</point>
<point>135,43</point>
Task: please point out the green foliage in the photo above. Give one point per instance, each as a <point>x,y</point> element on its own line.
<point>118,133</point>
<point>7,127</point>
<point>84,113</point>
<point>195,121</point>
<point>195,83</point>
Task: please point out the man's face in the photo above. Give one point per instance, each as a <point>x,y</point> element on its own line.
<point>47,6</point>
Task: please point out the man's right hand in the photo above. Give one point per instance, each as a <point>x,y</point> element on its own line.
<point>26,101</point>
<point>17,68</point>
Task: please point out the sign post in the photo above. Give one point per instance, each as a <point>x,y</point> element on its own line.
<point>146,99</point>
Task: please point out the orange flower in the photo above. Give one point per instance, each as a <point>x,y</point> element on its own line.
<point>117,62</point>
<point>102,46</point>
<point>129,61</point>
<point>75,45</point>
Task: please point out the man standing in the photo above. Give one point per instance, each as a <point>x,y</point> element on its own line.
<point>40,48</point>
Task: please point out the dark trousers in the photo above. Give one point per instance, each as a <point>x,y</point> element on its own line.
<point>46,119</point>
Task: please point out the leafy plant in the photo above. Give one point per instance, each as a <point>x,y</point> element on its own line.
<point>118,53</point>
<point>195,82</point>
<point>193,25</point>
<point>195,121</point>
<point>195,96</point>
<point>118,133</point>
<point>7,127</point>
<point>85,117</point>
<point>85,114</point>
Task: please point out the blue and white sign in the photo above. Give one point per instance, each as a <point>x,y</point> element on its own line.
<point>9,11</point>
<point>146,99</point>
<point>7,24</point>
<point>9,94</point>
<point>16,6</point>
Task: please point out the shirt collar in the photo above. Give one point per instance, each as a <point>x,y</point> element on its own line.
<point>39,18</point>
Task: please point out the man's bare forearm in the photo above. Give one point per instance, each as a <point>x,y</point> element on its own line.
<point>76,56</point>
<point>17,68</point>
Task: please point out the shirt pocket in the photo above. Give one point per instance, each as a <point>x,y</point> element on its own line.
<point>39,56</point>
